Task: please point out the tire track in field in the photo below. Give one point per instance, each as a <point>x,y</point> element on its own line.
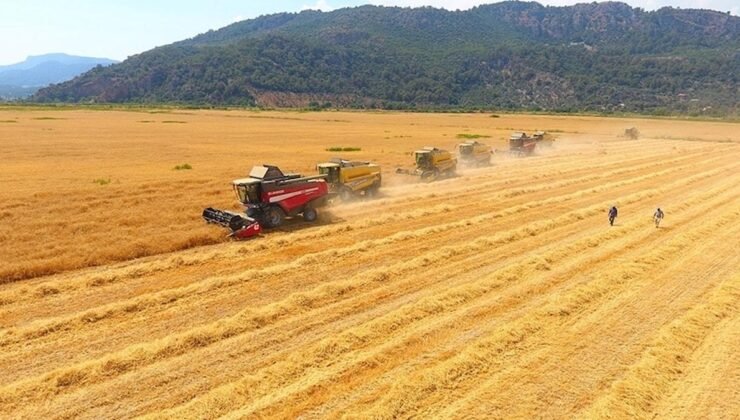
<point>663,363</point>
<point>361,382</point>
<point>708,388</point>
<point>53,289</point>
<point>228,358</point>
<point>496,197</point>
<point>56,291</point>
<point>75,391</point>
<point>513,337</point>
<point>433,307</point>
<point>581,350</point>
<point>598,208</point>
<point>55,342</point>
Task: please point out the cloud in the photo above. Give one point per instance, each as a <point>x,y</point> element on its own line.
<point>322,5</point>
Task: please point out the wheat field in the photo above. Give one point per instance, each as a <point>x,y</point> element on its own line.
<point>500,293</point>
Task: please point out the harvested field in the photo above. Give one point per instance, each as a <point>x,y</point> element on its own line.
<point>502,292</point>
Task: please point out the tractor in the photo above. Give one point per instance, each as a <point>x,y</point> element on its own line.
<point>350,179</point>
<point>473,153</point>
<point>431,164</point>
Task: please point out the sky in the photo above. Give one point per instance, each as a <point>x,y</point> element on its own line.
<point>118,29</point>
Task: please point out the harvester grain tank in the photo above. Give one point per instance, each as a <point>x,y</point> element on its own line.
<point>270,196</point>
<point>350,179</point>
<point>521,145</point>
<point>432,163</point>
<point>473,153</point>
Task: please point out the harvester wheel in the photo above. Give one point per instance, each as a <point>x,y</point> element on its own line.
<point>371,192</point>
<point>346,194</point>
<point>273,217</point>
<point>310,214</point>
<point>429,176</point>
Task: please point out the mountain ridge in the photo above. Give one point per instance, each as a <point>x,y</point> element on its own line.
<point>512,55</point>
<point>24,78</point>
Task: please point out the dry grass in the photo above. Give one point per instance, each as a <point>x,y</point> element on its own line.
<point>500,293</point>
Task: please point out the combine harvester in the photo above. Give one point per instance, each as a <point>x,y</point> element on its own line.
<point>522,145</point>
<point>270,196</point>
<point>350,179</point>
<point>544,139</point>
<point>432,164</point>
<point>473,153</point>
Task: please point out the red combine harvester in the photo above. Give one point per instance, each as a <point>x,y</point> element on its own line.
<point>522,145</point>
<point>269,197</point>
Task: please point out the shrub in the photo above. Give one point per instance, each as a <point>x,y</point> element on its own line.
<point>472,136</point>
<point>101,181</point>
<point>343,149</point>
<point>316,106</point>
<point>184,166</point>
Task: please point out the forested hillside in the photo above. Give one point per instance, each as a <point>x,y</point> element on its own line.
<point>511,55</point>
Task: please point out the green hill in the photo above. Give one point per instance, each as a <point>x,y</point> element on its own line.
<point>511,55</point>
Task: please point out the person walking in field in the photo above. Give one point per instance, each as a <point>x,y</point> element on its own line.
<point>612,215</point>
<point>658,217</point>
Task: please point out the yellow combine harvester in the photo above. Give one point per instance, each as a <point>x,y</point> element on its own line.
<point>350,179</point>
<point>544,138</point>
<point>473,153</point>
<point>431,164</point>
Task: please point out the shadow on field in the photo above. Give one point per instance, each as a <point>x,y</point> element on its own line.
<point>297,223</point>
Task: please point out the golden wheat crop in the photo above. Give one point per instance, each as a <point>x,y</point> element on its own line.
<point>499,293</point>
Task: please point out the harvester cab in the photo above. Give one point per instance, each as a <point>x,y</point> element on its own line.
<point>331,170</point>
<point>249,190</point>
<point>423,159</point>
<point>270,196</point>
<point>349,178</point>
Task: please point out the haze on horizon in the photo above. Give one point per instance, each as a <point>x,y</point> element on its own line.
<point>116,31</point>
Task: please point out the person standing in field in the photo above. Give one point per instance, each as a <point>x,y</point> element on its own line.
<point>612,215</point>
<point>658,217</point>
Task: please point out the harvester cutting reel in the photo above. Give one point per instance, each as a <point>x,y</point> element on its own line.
<point>242,227</point>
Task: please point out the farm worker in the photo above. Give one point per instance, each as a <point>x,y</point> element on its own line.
<point>612,215</point>
<point>658,216</point>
